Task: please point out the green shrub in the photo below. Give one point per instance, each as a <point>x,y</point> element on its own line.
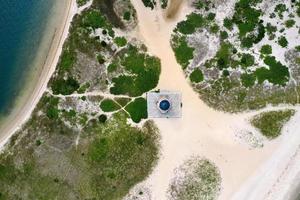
<point>109,105</point>
<point>290,23</point>
<point>282,41</point>
<point>196,76</point>
<point>266,49</point>
<point>224,35</point>
<point>247,60</point>
<point>137,109</point>
<point>149,3</point>
<point>127,16</point>
<point>102,118</point>
<point>64,87</point>
<point>190,25</point>
<point>120,41</point>
<point>228,23</point>
<point>270,123</point>
<point>183,52</point>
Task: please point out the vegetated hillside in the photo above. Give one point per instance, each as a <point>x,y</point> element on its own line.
<point>241,55</point>
<point>78,143</point>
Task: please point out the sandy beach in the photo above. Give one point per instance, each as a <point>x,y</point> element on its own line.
<point>38,81</point>
<point>203,131</point>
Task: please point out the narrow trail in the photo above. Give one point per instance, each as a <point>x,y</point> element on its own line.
<point>201,131</point>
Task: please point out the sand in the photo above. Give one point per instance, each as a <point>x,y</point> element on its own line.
<point>203,131</point>
<point>38,85</point>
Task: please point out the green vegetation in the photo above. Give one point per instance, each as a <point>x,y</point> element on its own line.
<point>190,25</point>
<point>247,19</point>
<point>164,4</point>
<point>120,41</point>
<point>183,52</point>
<point>290,23</point>
<point>248,80</point>
<point>137,109</point>
<point>247,60</point>
<point>270,123</point>
<point>196,76</point>
<point>65,87</point>
<point>276,74</point>
<point>144,71</point>
<point>109,159</point>
<point>282,41</point>
<point>238,77</point>
<point>122,101</point>
<point>149,3</point>
<point>81,2</point>
<point>127,16</point>
<point>280,9</point>
<point>112,67</point>
<point>266,49</point>
<point>109,105</point>
<point>201,180</point>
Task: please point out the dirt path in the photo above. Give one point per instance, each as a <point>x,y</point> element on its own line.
<point>201,131</point>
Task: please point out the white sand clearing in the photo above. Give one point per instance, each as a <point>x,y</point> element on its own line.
<point>201,131</point>
<point>21,114</point>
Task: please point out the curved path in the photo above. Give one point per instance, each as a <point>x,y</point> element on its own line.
<point>201,131</point>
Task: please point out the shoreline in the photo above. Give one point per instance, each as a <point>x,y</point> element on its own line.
<point>35,88</point>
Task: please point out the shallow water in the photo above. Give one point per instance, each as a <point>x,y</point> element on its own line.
<point>22,25</point>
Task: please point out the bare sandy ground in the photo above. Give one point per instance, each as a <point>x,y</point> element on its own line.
<point>246,173</point>
<point>26,105</point>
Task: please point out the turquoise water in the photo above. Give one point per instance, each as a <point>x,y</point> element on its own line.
<point>22,25</point>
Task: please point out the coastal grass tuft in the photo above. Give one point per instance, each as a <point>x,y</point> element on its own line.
<point>270,123</point>
<point>196,179</point>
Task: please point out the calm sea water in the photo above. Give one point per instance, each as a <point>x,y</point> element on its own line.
<point>22,24</point>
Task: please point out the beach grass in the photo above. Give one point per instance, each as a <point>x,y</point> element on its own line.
<point>270,124</point>
<point>196,179</point>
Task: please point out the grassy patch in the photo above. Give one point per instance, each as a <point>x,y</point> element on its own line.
<point>120,156</point>
<point>270,123</point>
<point>137,109</point>
<point>198,179</point>
<point>109,105</point>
